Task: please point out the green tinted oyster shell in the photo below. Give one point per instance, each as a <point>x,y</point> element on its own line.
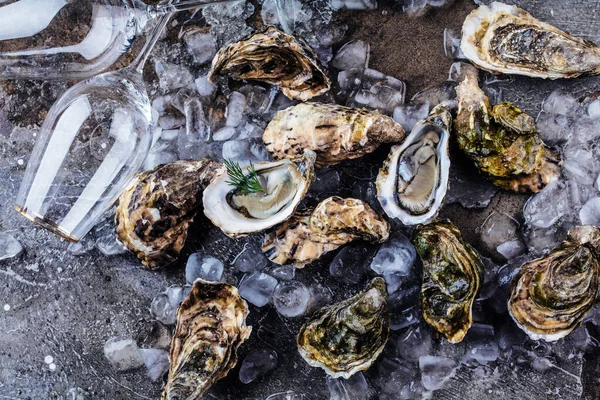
<point>550,296</point>
<point>503,141</point>
<point>347,337</point>
<point>452,276</point>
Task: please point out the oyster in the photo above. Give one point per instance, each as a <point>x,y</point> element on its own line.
<point>238,213</point>
<point>550,296</point>
<point>276,58</point>
<point>503,141</point>
<point>211,325</point>
<point>452,275</point>
<point>506,39</point>
<point>158,206</point>
<point>334,132</point>
<point>308,235</point>
<point>413,182</point>
<point>347,337</point>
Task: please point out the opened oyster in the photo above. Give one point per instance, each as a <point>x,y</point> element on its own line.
<point>156,209</point>
<point>452,275</point>
<point>239,212</point>
<point>347,337</point>
<point>506,39</point>
<point>334,132</point>
<point>413,182</point>
<point>550,296</point>
<point>276,58</point>
<point>503,141</point>
<point>211,325</point>
<point>308,235</point>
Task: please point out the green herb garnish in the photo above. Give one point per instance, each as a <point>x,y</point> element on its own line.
<point>246,184</point>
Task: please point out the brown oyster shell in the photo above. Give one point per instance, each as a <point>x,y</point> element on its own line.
<point>334,132</point>
<point>347,337</point>
<point>158,206</point>
<point>276,58</point>
<point>211,326</point>
<point>334,222</point>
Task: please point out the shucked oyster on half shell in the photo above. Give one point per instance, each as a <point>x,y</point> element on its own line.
<point>452,276</point>
<point>347,337</point>
<point>211,325</point>
<point>550,296</point>
<point>506,39</point>
<point>334,132</point>
<point>503,141</point>
<point>413,182</point>
<point>284,183</point>
<point>276,58</point>
<point>158,206</point>
<point>309,234</point>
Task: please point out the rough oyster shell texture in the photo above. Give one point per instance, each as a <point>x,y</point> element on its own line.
<point>550,296</point>
<point>347,337</point>
<point>211,326</point>
<point>503,141</point>
<point>335,221</point>
<point>413,181</point>
<point>506,39</point>
<point>452,276</point>
<point>158,206</point>
<point>286,183</point>
<point>276,58</point>
<point>334,132</point>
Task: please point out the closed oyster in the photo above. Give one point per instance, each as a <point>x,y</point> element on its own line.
<point>238,213</point>
<point>506,39</point>
<point>413,182</point>
<point>550,296</point>
<point>334,132</point>
<point>211,325</point>
<point>452,275</point>
<point>503,141</point>
<point>156,209</point>
<point>276,58</point>
<point>308,235</point>
<point>347,337</point>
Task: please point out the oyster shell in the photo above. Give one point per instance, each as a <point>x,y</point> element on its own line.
<point>308,235</point>
<point>158,206</point>
<point>334,132</point>
<point>211,325</point>
<point>276,58</point>
<point>285,183</point>
<point>452,275</point>
<point>506,39</point>
<point>503,141</point>
<point>347,337</point>
<point>413,182</point>
<point>550,296</point>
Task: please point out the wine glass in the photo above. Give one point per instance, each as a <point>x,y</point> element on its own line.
<point>72,39</point>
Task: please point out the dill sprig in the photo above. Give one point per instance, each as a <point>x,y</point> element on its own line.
<point>246,184</point>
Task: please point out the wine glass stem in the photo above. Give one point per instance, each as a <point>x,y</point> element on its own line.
<point>161,24</point>
<point>183,5</point>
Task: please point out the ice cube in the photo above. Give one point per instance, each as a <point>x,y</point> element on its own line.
<point>320,296</point>
<point>511,249</point>
<point>168,122</point>
<point>400,319</point>
<point>200,266</point>
<point>289,395</point>
<point>354,54</point>
<point>452,38</point>
<point>204,87</point>
<point>123,353</point>
<point>482,345</point>
<point>9,246</point>
<point>413,343</point>
<point>327,182</point>
<point>291,298</point>
<point>257,288</point>
<point>498,228</point>
<point>349,264</point>
<point>196,126</point>
<point>248,130</point>
<point>225,133</point>
<point>354,388</point>
<point>394,377</point>
<point>201,44</point>
<point>365,191</point>
<point>251,259</point>
<point>256,364</point>
<point>235,109</point>
<point>436,371</point>
<point>547,207</point>
<point>379,91</point>
<point>590,212</point>
<point>172,76</point>
<point>284,272</point>
<point>394,259</point>
<point>258,99</point>
<point>108,245</point>
<point>469,188</point>
<point>353,4</point>
<point>162,309</point>
<point>245,152</point>
<point>560,102</point>
<point>460,70</point>
<point>156,362</point>
<point>554,128</point>
<point>409,114</point>
<point>593,110</point>
<point>82,247</point>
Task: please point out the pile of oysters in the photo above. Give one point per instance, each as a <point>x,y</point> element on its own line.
<point>549,297</point>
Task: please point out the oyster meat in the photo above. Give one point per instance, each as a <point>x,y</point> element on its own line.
<point>550,296</point>
<point>413,182</point>
<point>334,132</point>
<point>211,326</point>
<point>503,141</point>
<point>308,235</point>
<point>347,337</point>
<point>276,58</point>
<point>452,276</point>
<point>284,185</point>
<point>158,206</point>
<point>506,39</point>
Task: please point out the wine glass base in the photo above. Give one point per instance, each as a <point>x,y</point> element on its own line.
<point>46,224</point>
